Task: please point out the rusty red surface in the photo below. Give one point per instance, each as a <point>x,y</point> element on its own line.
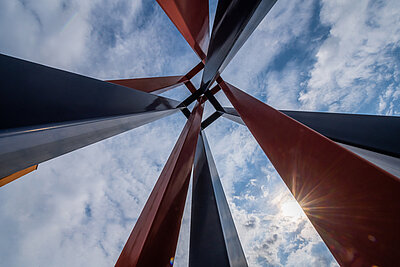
<point>354,205</point>
<point>154,238</point>
<point>192,20</point>
<point>152,85</point>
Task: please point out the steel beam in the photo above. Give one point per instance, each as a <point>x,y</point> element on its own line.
<point>155,85</point>
<point>213,117</point>
<point>213,237</point>
<point>16,175</point>
<point>33,94</point>
<point>48,112</point>
<point>196,69</point>
<point>234,22</point>
<point>154,238</point>
<point>158,85</point>
<point>192,20</point>
<point>23,148</point>
<point>371,132</point>
<point>388,163</point>
<point>353,204</point>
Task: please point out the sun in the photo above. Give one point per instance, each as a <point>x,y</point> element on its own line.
<point>291,209</point>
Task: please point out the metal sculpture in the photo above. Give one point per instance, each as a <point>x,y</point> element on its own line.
<point>343,169</point>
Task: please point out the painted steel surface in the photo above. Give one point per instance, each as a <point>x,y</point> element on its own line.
<point>160,85</point>
<point>25,147</point>
<point>353,204</point>
<point>33,94</point>
<point>372,132</point>
<point>213,237</point>
<point>196,69</point>
<point>234,23</point>
<point>155,85</point>
<point>207,241</point>
<point>16,175</point>
<point>388,163</point>
<point>192,20</point>
<point>154,238</point>
<point>213,117</point>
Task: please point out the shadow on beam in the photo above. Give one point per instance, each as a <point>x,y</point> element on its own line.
<point>154,238</point>
<point>213,237</point>
<point>352,204</point>
<point>49,112</point>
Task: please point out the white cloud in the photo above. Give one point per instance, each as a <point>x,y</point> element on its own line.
<point>286,21</point>
<point>78,209</point>
<point>50,32</point>
<point>357,60</point>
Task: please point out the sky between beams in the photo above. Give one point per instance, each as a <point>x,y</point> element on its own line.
<point>79,209</point>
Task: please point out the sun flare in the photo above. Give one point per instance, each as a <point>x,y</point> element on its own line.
<point>291,209</point>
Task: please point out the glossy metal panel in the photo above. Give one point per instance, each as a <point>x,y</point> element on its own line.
<point>25,147</point>
<point>207,241</point>
<point>353,204</point>
<point>372,132</point>
<point>154,238</point>
<point>388,163</point>
<point>192,20</point>
<point>213,237</point>
<point>234,23</point>
<point>33,94</point>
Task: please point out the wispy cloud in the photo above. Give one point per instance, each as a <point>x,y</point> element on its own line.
<point>79,209</point>
<point>359,62</point>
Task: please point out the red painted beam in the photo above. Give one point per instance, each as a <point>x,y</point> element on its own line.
<point>152,85</point>
<point>353,204</point>
<point>154,238</point>
<point>191,19</point>
<point>159,85</point>
<point>196,69</point>
<point>190,86</point>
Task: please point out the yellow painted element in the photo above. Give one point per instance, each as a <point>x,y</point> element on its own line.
<point>16,175</point>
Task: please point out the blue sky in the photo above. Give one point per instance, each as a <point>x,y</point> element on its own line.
<point>79,209</point>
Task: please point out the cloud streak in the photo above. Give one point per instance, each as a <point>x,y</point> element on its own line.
<point>79,209</point>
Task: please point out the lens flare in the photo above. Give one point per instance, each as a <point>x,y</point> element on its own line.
<point>291,209</point>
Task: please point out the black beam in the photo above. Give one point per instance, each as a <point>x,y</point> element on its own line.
<point>190,99</point>
<point>33,94</point>
<point>213,237</point>
<point>214,102</point>
<point>371,132</point>
<point>47,112</point>
<point>213,117</point>
<point>186,112</point>
<point>234,22</point>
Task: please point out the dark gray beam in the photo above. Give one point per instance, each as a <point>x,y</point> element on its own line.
<point>371,132</point>
<point>24,148</point>
<point>47,112</point>
<point>33,94</point>
<point>388,163</point>
<point>234,22</point>
<point>213,237</point>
